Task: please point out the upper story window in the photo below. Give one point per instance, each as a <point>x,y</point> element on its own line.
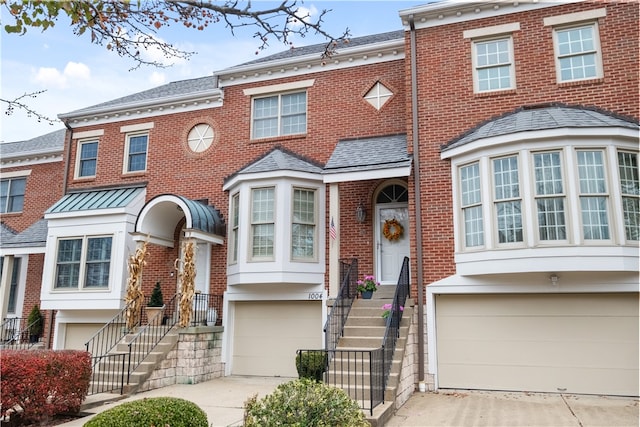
<point>493,64</point>
<point>87,159</point>
<point>136,152</point>
<point>262,222</point>
<point>630,189</point>
<point>12,194</point>
<point>278,115</point>
<point>549,195</point>
<point>83,263</point>
<point>577,45</point>
<point>577,53</point>
<point>303,227</point>
<point>235,220</point>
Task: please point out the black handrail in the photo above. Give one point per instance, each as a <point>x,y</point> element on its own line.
<point>14,333</point>
<point>392,331</point>
<point>150,334</point>
<point>207,310</point>
<point>336,319</point>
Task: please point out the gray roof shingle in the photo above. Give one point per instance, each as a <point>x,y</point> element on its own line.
<point>362,154</point>
<point>34,236</point>
<point>50,142</point>
<point>532,119</point>
<point>279,159</point>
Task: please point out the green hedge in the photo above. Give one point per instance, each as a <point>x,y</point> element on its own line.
<point>304,403</point>
<point>154,411</point>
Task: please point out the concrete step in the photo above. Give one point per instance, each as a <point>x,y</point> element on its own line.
<point>364,343</point>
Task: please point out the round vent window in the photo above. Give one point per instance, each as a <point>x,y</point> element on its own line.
<point>200,137</point>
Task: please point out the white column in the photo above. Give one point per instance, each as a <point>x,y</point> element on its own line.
<point>334,244</point>
<point>5,285</point>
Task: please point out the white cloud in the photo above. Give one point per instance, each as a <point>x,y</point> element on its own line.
<point>156,78</point>
<point>304,14</point>
<point>50,77</point>
<point>77,70</point>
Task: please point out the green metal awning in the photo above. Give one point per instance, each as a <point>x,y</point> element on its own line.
<point>97,199</point>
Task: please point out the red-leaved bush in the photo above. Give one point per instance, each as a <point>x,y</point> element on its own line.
<point>42,383</point>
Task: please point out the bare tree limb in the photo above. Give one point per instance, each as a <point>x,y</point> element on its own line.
<point>17,104</point>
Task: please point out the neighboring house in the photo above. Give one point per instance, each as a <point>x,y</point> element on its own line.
<point>31,179</point>
<point>502,138</point>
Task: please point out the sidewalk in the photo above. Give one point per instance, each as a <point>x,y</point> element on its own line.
<point>223,401</point>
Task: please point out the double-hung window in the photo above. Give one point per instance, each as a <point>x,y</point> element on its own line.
<point>87,159</point>
<point>277,115</point>
<point>493,63</point>
<point>262,222</point>
<point>235,220</point>
<point>550,197</point>
<point>593,194</point>
<point>303,228</point>
<point>577,54</point>
<point>472,205</point>
<point>83,262</point>
<point>12,194</point>
<point>508,206</point>
<point>136,158</point>
<point>630,189</point>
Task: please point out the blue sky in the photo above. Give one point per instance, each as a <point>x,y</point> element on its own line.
<point>78,74</point>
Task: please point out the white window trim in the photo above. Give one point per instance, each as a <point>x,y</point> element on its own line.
<point>137,127</point>
<point>83,265</point>
<point>280,95</point>
<point>234,238</point>
<point>460,211</point>
<point>315,225</point>
<point>79,145</point>
<point>282,87</point>
<point>494,202</point>
<point>571,18</point>
<point>474,62</point>
<point>597,48</point>
<point>125,163</point>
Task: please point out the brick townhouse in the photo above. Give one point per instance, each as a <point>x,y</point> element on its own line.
<point>500,137</point>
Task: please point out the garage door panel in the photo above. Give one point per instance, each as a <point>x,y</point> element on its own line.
<point>497,348</point>
<point>267,334</point>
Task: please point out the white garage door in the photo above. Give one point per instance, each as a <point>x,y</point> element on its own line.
<point>267,335</point>
<point>578,343</point>
<point>77,334</point>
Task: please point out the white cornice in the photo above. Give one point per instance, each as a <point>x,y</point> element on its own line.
<point>145,109</point>
<point>391,50</point>
<point>455,11</point>
<point>31,159</point>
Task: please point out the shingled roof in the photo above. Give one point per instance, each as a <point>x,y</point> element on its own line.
<point>47,143</point>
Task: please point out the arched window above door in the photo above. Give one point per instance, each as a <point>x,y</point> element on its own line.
<point>394,193</point>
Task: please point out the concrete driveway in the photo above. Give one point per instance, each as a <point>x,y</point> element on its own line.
<point>484,408</point>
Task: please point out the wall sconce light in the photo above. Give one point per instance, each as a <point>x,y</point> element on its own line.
<point>361,214</point>
<point>554,279</point>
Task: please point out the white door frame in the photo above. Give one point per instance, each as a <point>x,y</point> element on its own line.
<point>378,237</point>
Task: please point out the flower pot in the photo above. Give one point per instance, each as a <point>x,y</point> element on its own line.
<point>154,315</point>
<point>367,294</point>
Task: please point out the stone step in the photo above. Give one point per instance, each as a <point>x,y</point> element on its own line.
<point>364,343</point>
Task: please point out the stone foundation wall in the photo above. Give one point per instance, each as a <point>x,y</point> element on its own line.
<point>197,357</point>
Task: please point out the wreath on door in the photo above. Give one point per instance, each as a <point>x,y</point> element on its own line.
<point>392,230</point>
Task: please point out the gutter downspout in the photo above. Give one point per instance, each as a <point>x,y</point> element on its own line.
<point>417,198</point>
<point>68,159</point>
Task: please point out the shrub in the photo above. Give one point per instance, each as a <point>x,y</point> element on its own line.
<point>35,321</point>
<point>311,364</point>
<point>156,299</point>
<point>304,402</point>
<point>154,411</point>
<point>39,384</point>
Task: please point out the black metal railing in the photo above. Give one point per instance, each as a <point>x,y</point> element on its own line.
<point>150,333</point>
<point>15,333</point>
<point>360,373</point>
<point>106,375</point>
<point>207,310</point>
<point>336,319</point>
<point>392,331</point>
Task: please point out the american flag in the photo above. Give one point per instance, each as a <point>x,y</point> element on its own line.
<point>332,230</point>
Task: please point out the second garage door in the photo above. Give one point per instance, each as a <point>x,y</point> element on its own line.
<point>575,343</point>
<point>267,335</point>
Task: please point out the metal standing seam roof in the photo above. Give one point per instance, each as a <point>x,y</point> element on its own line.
<point>99,199</point>
<point>534,119</point>
<point>366,154</point>
<point>204,217</point>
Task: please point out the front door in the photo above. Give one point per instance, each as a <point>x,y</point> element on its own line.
<point>392,232</point>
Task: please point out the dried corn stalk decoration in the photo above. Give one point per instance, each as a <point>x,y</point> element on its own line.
<point>187,279</point>
<point>134,296</point>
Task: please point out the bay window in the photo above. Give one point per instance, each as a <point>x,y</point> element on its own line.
<point>83,263</point>
<point>549,194</point>
<point>593,194</point>
<point>262,222</point>
<point>507,199</point>
<point>630,189</point>
<point>235,218</point>
<point>303,228</point>
<point>472,205</point>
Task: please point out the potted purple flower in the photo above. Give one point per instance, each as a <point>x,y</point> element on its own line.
<point>367,286</point>
<point>387,310</point>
